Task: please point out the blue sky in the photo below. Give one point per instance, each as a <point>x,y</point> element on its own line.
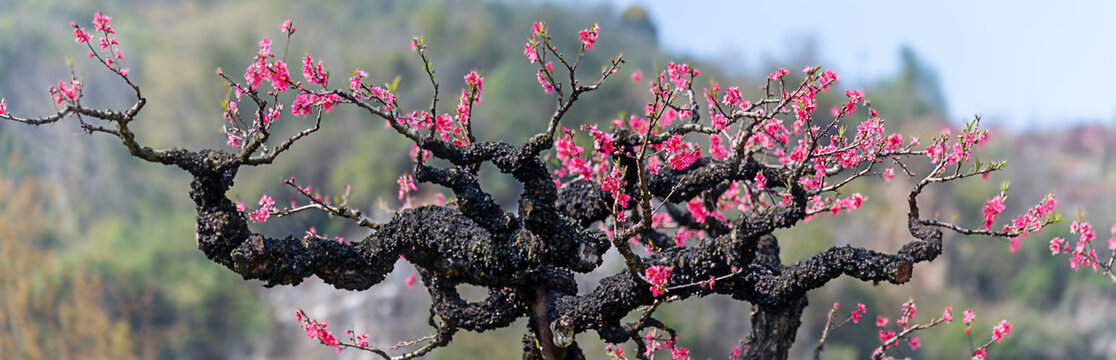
<point>1025,64</point>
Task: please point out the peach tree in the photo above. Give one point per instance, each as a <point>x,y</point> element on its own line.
<point>688,190</point>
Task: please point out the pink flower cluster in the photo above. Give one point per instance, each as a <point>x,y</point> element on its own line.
<point>267,206</point>
<point>406,184</point>
<point>538,30</point>
<point>658,276</point>
<point>906,329</point>
<point>303,103</point>
<point>732,97</point>
<point>261,69</point>
<point>941,150</point>
<point>855,97</point>
<point>1034,219</point>
<point>698,210</point>
<point>544,77</point>
<point>354,82</point>
<point>314,73</point>
<point>680,74</point>
<point>470,96</point>
<point>1000,330</point>
<point>856,314</point>
<point>614,184</point>
<point>1083,254</point>
<point>317,330</point>
<point>359,340</point>
<point>569,156</point>
<point>286,27</point>
<point>80,35</point>
<point>907,312</point>
<point>968,318</point>
<point>65,90</point>
<point>616,353</point>
<point>777,74</point>
<point>588,37</point>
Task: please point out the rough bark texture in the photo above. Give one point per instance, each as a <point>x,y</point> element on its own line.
<point>527,259</point>
<point>541,247</point>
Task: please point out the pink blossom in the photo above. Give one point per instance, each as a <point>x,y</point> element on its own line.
<point>314,74</point>
<point>69,90</point>
<point>881,321</point>
<point>778,74</point>
<point>474,81</point>
<point>679,353</point>
<point>411,281</point>
<point>886,335</point>
<point>316,330</point>
<point>760,180</point>
<point>968,316</point>
<point>544,80</point>
<point>948,314</point>
<point>980,354</point>
<point>637,76</point>
<point>265,48</point>
<point>684,159</point>
<point>272,113</point>
<point>719,121</point>
<point>1013,244</point>
<point>233,141</point>
<point>732,96</point>
<point>855,96</point>
<point>888,174</point>
<point>101,23</point>
<point>529,52</point>
<point>684,234</point>
<point>538,29</point>
<point>1002,329</point>
<point>406,184</point>
<point>286,27</point>
<point>1056,245</point>
<point>697,210</point>
<point>717,150</point>
<point>658,276</point>
<point>3,107</point>
<point>301,105</point>
<point>680,74</point>
<point>914,342</point>
<point>124,72</point>
<point>354,82</point>
<point>855,201</point>
<point>588,37</point>
<point>80,35</point>
<point>266,206</point>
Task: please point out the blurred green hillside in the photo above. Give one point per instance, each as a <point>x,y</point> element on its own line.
<point>97,254</point>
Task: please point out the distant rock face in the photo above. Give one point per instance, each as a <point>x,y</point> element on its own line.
<point>389,313</point>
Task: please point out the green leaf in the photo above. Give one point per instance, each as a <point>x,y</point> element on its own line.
<point>394,84</point>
